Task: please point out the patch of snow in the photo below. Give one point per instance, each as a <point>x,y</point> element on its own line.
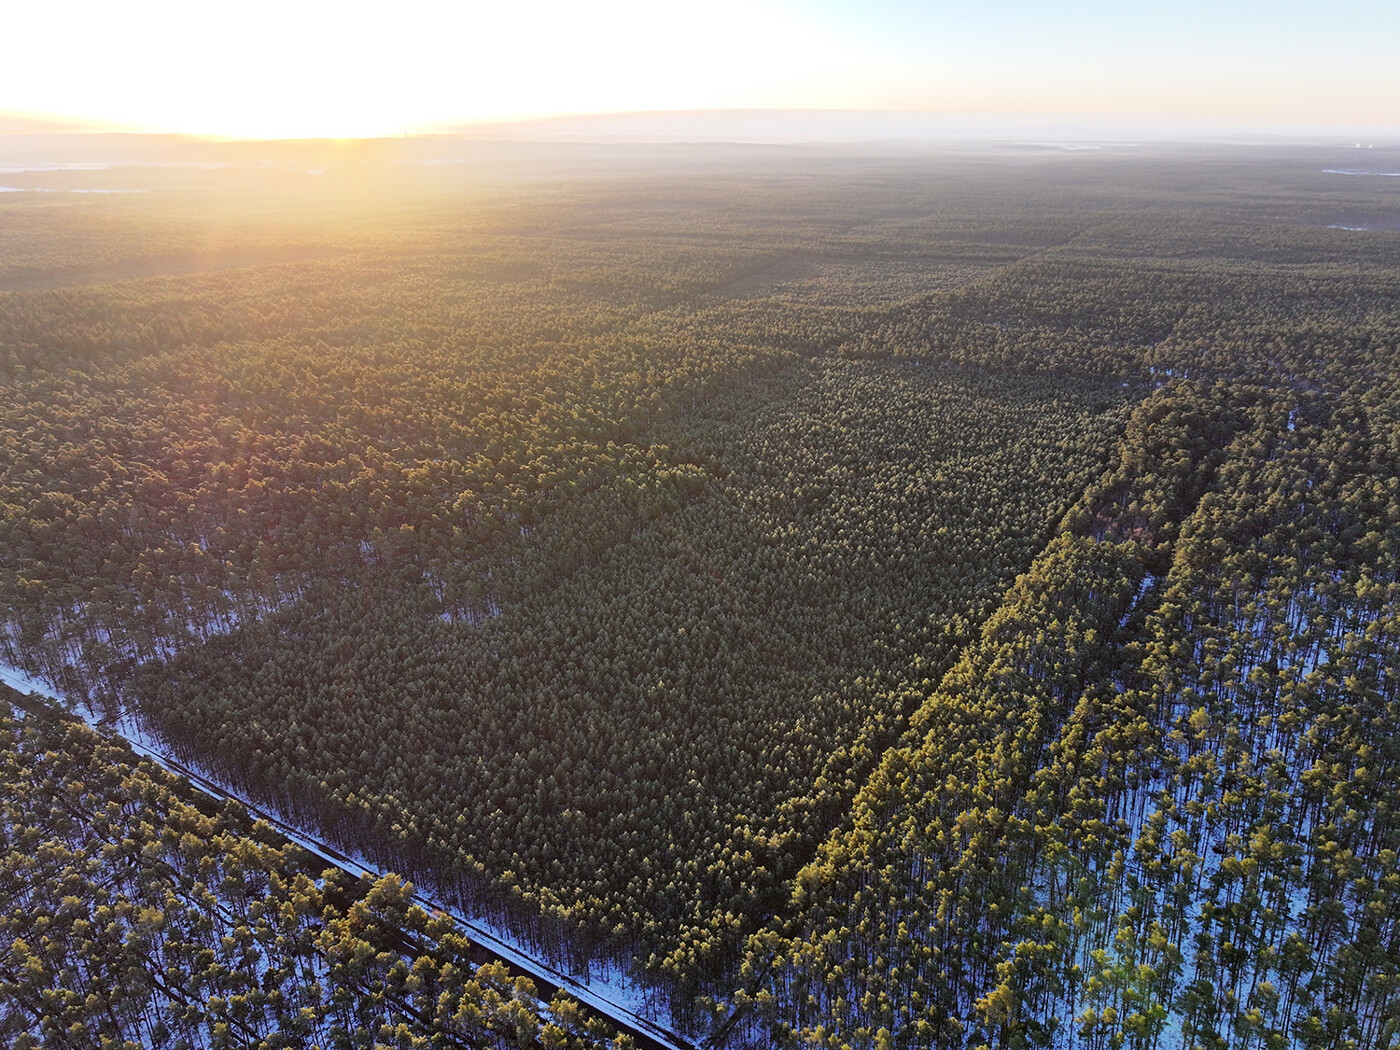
<point>1148,580</point>
<point>60,189</point>
<point>52,189</point>
<point>75,166</point>
<point>25,683</point>
<point>605,987</point>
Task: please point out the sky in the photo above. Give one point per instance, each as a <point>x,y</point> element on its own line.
<point>308,68</point>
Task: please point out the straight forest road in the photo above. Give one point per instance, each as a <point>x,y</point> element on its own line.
<point>647,1033</point>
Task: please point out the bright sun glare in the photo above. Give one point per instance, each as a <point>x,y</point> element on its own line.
<point>291,68</point>
<point>267,69</point>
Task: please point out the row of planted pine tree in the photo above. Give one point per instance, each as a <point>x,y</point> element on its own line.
<point>137,914</point>
<point>1152,807</point>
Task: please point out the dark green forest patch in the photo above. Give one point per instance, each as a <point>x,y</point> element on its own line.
<point>659,695</point>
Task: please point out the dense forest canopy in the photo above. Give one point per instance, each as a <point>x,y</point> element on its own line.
<point>139,913</point>
<point>886,601</point>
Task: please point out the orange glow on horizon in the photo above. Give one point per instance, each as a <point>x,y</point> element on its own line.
<point>277,69</point>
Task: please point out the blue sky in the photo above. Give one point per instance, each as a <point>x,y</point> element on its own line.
<point>1231,61</point>
<point>296,67</point>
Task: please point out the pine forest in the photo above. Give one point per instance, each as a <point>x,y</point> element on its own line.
<point>844,599</point>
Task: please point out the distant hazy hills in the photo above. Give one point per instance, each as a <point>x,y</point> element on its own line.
<point>23,137</point>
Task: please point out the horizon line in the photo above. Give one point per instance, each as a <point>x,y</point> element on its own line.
<point>649,125</point>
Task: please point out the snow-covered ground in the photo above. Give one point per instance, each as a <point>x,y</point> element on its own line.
<point>607,989</point>
<point>17,679</point>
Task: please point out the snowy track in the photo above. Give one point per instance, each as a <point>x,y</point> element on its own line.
<point>646,1032</point>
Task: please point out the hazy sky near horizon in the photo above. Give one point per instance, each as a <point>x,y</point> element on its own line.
<point>261,68</point>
